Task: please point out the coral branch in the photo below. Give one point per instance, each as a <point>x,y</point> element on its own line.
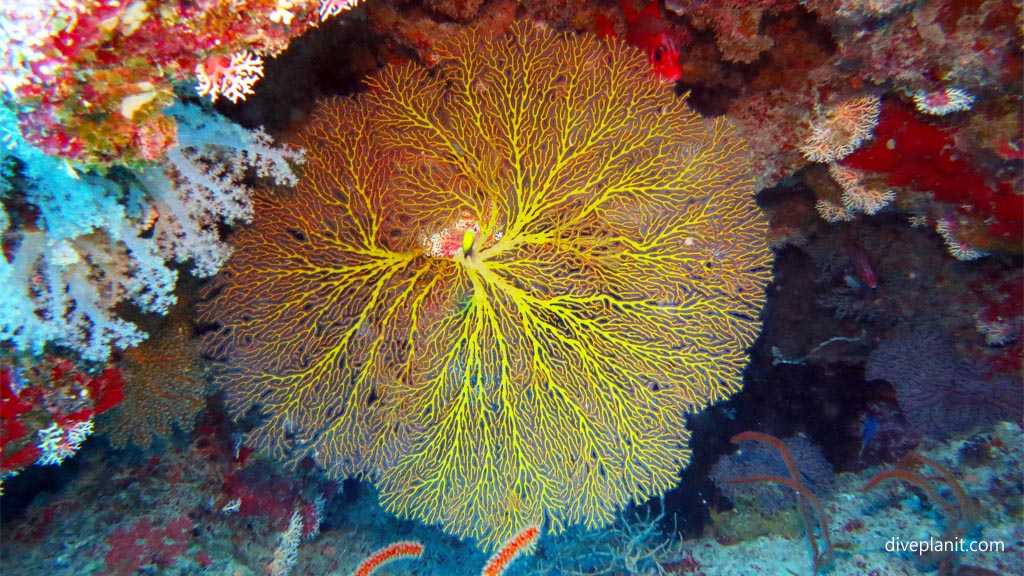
<point>520,544</point>
<point>389,553</point>
<point>823,554</point>
<point>960,515</point>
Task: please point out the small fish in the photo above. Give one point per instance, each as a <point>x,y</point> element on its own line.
<point>867,433</point>
<point>647,30</point>
<point>861,264</point>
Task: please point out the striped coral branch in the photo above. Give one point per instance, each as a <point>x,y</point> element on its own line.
<point>395,551</point>
<point>521,543</point>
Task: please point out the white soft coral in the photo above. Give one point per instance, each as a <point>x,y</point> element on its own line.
<point>93,247</point>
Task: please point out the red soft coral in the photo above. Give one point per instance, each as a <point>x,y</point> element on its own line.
<point>923,156</point>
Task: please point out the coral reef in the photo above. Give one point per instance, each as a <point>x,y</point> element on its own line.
<point>153,500</point>
<point>737,24</point>
<point>147,544</point>
<point>926,47</point>
<point>508,282</point>
<point>47,410</point>
<point>92,79</point>
<point>972,211</point>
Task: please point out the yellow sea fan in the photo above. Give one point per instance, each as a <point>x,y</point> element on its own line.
<point>499,286</point>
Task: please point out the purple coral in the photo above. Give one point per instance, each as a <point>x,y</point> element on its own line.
<point>940,392</point>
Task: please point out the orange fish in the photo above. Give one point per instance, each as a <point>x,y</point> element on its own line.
<point>647,30</point>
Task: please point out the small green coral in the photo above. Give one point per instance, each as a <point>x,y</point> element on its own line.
<point>499,287</point>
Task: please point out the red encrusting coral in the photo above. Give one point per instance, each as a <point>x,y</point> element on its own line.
<point>11,406</point>
<point>52,392</point>
<point>262,494</point>
<point>107,389</point>
<point>86,395</point>
<point>26,456</point>
<point>923,156</point>
<point>145,543</point>
<point>1000,320</point>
